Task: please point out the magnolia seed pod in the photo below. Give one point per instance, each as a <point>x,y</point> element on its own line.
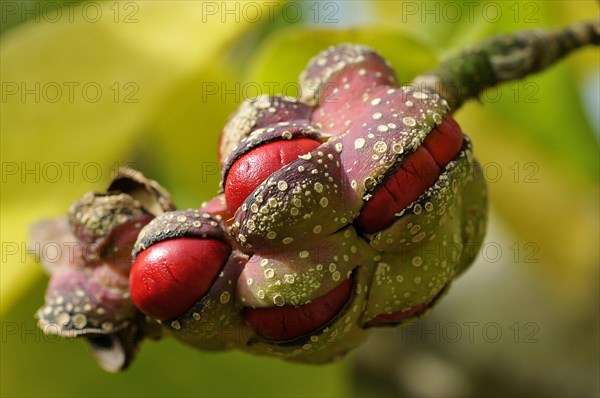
<point>88,293</point>
<point>257,113</point>
<point>337,79</point>
<point>177,257</point>
<point>260,154</point>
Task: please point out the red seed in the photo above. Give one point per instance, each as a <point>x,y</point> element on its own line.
<point>170,276</point>
<point>252,168</point>
<point>445,141</point>
<point>416,174</point>
<point>288,322</point>
<point>258,113</point>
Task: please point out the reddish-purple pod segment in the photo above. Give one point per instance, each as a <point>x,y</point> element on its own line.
<point>252,168</point>
<point>345,70</point>
<point>417,172</point>
<point>170,276</point>
<point>290,322</point>
<point>107,224</point>
<point>337,79</point>
<point>217,206</point>
<point>257,113</point>
<point>177,258</point>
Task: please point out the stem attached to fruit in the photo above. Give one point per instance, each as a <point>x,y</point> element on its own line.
<point>500,59</point>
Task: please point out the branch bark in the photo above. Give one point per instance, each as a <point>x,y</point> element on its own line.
<point>468,73</point>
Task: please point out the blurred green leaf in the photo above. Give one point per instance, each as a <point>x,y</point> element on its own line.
<point>17,12</point>
<point>79,95</point>
<point>545,106</point>
<point>552,210</point>
<point>282,57</point>
<point>184,136</point>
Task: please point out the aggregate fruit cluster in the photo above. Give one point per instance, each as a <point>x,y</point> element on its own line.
<point>352,207</point>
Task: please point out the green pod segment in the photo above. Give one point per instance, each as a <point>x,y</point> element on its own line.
<point>432,241</point>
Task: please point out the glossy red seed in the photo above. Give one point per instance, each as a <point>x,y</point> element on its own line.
<point>170,276</point>
<point>252,168</point>
<point>445,141</point>
<point>415,175</point>
<point>288,322</point>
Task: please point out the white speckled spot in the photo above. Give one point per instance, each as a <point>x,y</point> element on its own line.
<point>303,254</point>
<point>418,237</point>
<point>377,115</point>
<point>278,300</point>
<point>417,261</point>
<point>359,143</point>
<point>380,147</point>
<point>409,121</point>
<point>224,297</point>
<point>269,273</point>
<point>79,321</point>
<point>282,185</point>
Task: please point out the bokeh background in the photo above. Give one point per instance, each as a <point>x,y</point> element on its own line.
<point>89,86</point>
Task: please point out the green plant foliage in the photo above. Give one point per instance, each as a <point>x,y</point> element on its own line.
<point>283,56</point>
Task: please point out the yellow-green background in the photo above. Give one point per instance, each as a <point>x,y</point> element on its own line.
<point>171,51</point>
